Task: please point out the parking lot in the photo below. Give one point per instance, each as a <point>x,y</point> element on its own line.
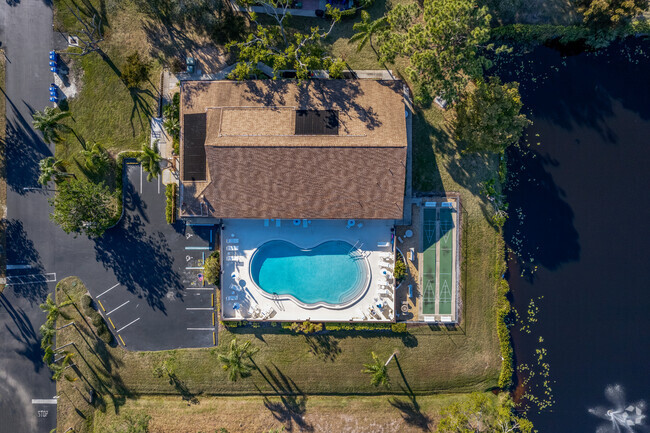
<point>153,294</point>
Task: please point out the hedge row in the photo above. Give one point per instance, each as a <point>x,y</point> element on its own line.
<point>540,33</point>
<point>503,312</point>
<point>97,320</point>
<point>334,326</point>
<point>170,207</point>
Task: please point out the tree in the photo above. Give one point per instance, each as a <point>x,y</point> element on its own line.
<point>366,29</point>
<point>47,122</point>
<point>91,33</point>
<point>166,368</point>
<point>490,118</point>
<point>480,413</point>
<point>135,70</point>
<point>52,169</point>
<point>212,268</point>
<point>378,371</point>
<point>280,48</point>
<point>96,158</point>
<point>53,311</point>
<point>233,360</point>
<point>150,160</point>
<point>171,115</point>
<point>82,207</point>
<point>605,15</point>
<point>443,44</point>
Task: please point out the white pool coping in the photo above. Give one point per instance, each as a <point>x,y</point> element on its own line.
<point>250,234</point>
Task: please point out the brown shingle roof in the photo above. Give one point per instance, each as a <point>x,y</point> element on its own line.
<point>257,167</point>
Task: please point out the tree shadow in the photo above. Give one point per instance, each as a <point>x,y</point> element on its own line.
<point>550,237</point>
<point>290,404</point>
<point>324,347</point>
<point>141,261</point>
<point>25,334</point>
<point>21,250</point>
<point>25,148</point>
<point>410,409</point>
<point>141,107</point>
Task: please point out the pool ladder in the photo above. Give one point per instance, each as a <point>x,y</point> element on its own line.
<point>355,252</point>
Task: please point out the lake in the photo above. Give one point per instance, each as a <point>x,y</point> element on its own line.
<point>579,229</point>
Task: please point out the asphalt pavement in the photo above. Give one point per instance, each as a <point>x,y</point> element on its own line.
<point>143,272</point>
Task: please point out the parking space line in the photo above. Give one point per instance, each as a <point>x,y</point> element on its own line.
<point>200,329</point>
<point>199,309</point>
<point>100,304</point>
<point>44,401</point>
<point>197,248</point>
<point>194,267</point>
<point>127,325</point>
<point>123,343</point>
<point>106,291</point>
<point>109,319</point>
<point>117,308</point>
<point>198,288</point>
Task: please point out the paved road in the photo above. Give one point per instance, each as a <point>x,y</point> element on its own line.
<point>26,36</point>
<point>137,271</point>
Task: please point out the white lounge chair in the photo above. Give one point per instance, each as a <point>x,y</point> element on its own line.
<point>383,244</point>
<point>231,298</point>
<point>232,258</point>
<point>361,314</point>
<point>232,241</point>
<point>232,248</point>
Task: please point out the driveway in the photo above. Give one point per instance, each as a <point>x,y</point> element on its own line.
<point>140,271</point>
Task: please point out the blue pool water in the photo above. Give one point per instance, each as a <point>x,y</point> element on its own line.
<point>326,273</point>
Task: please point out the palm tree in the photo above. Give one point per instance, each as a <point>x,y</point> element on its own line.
<point>48,123</point>
<point>95,156</point>
<point>378,370</point>
<point>366,29</point>
<point>150,160</point>
<point>52,169</point>
<point>233,361</point>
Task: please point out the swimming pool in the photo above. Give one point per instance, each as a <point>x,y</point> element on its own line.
<point>332,273</point>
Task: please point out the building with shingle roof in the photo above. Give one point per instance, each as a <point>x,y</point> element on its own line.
<point>320,149</point>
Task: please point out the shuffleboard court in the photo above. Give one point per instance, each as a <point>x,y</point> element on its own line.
<point>429,238</point>
<point>446,261</point>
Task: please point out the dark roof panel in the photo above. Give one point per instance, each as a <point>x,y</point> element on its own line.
<point>194,164</point>
<point>317,122</point>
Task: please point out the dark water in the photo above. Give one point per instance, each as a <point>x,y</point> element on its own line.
<point>579,212</point>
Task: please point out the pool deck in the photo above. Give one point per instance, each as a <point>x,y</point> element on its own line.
<point>241,238</point>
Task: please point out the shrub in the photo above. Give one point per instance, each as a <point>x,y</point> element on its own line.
<point>170,207</point>
<point>212,269</point>
<point>398,327</point>
<point>234,323</point>
<point>176,66</point>
<point>306,327</point>
<point>345,326</point>
<point>400,268</point>
<point>135,70</point>
<point>503,311</point>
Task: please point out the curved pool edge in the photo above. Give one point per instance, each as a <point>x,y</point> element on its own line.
<point>315,305</point>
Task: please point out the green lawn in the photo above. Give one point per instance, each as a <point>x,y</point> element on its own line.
<point>371,414</point>
<point>105,110</point>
